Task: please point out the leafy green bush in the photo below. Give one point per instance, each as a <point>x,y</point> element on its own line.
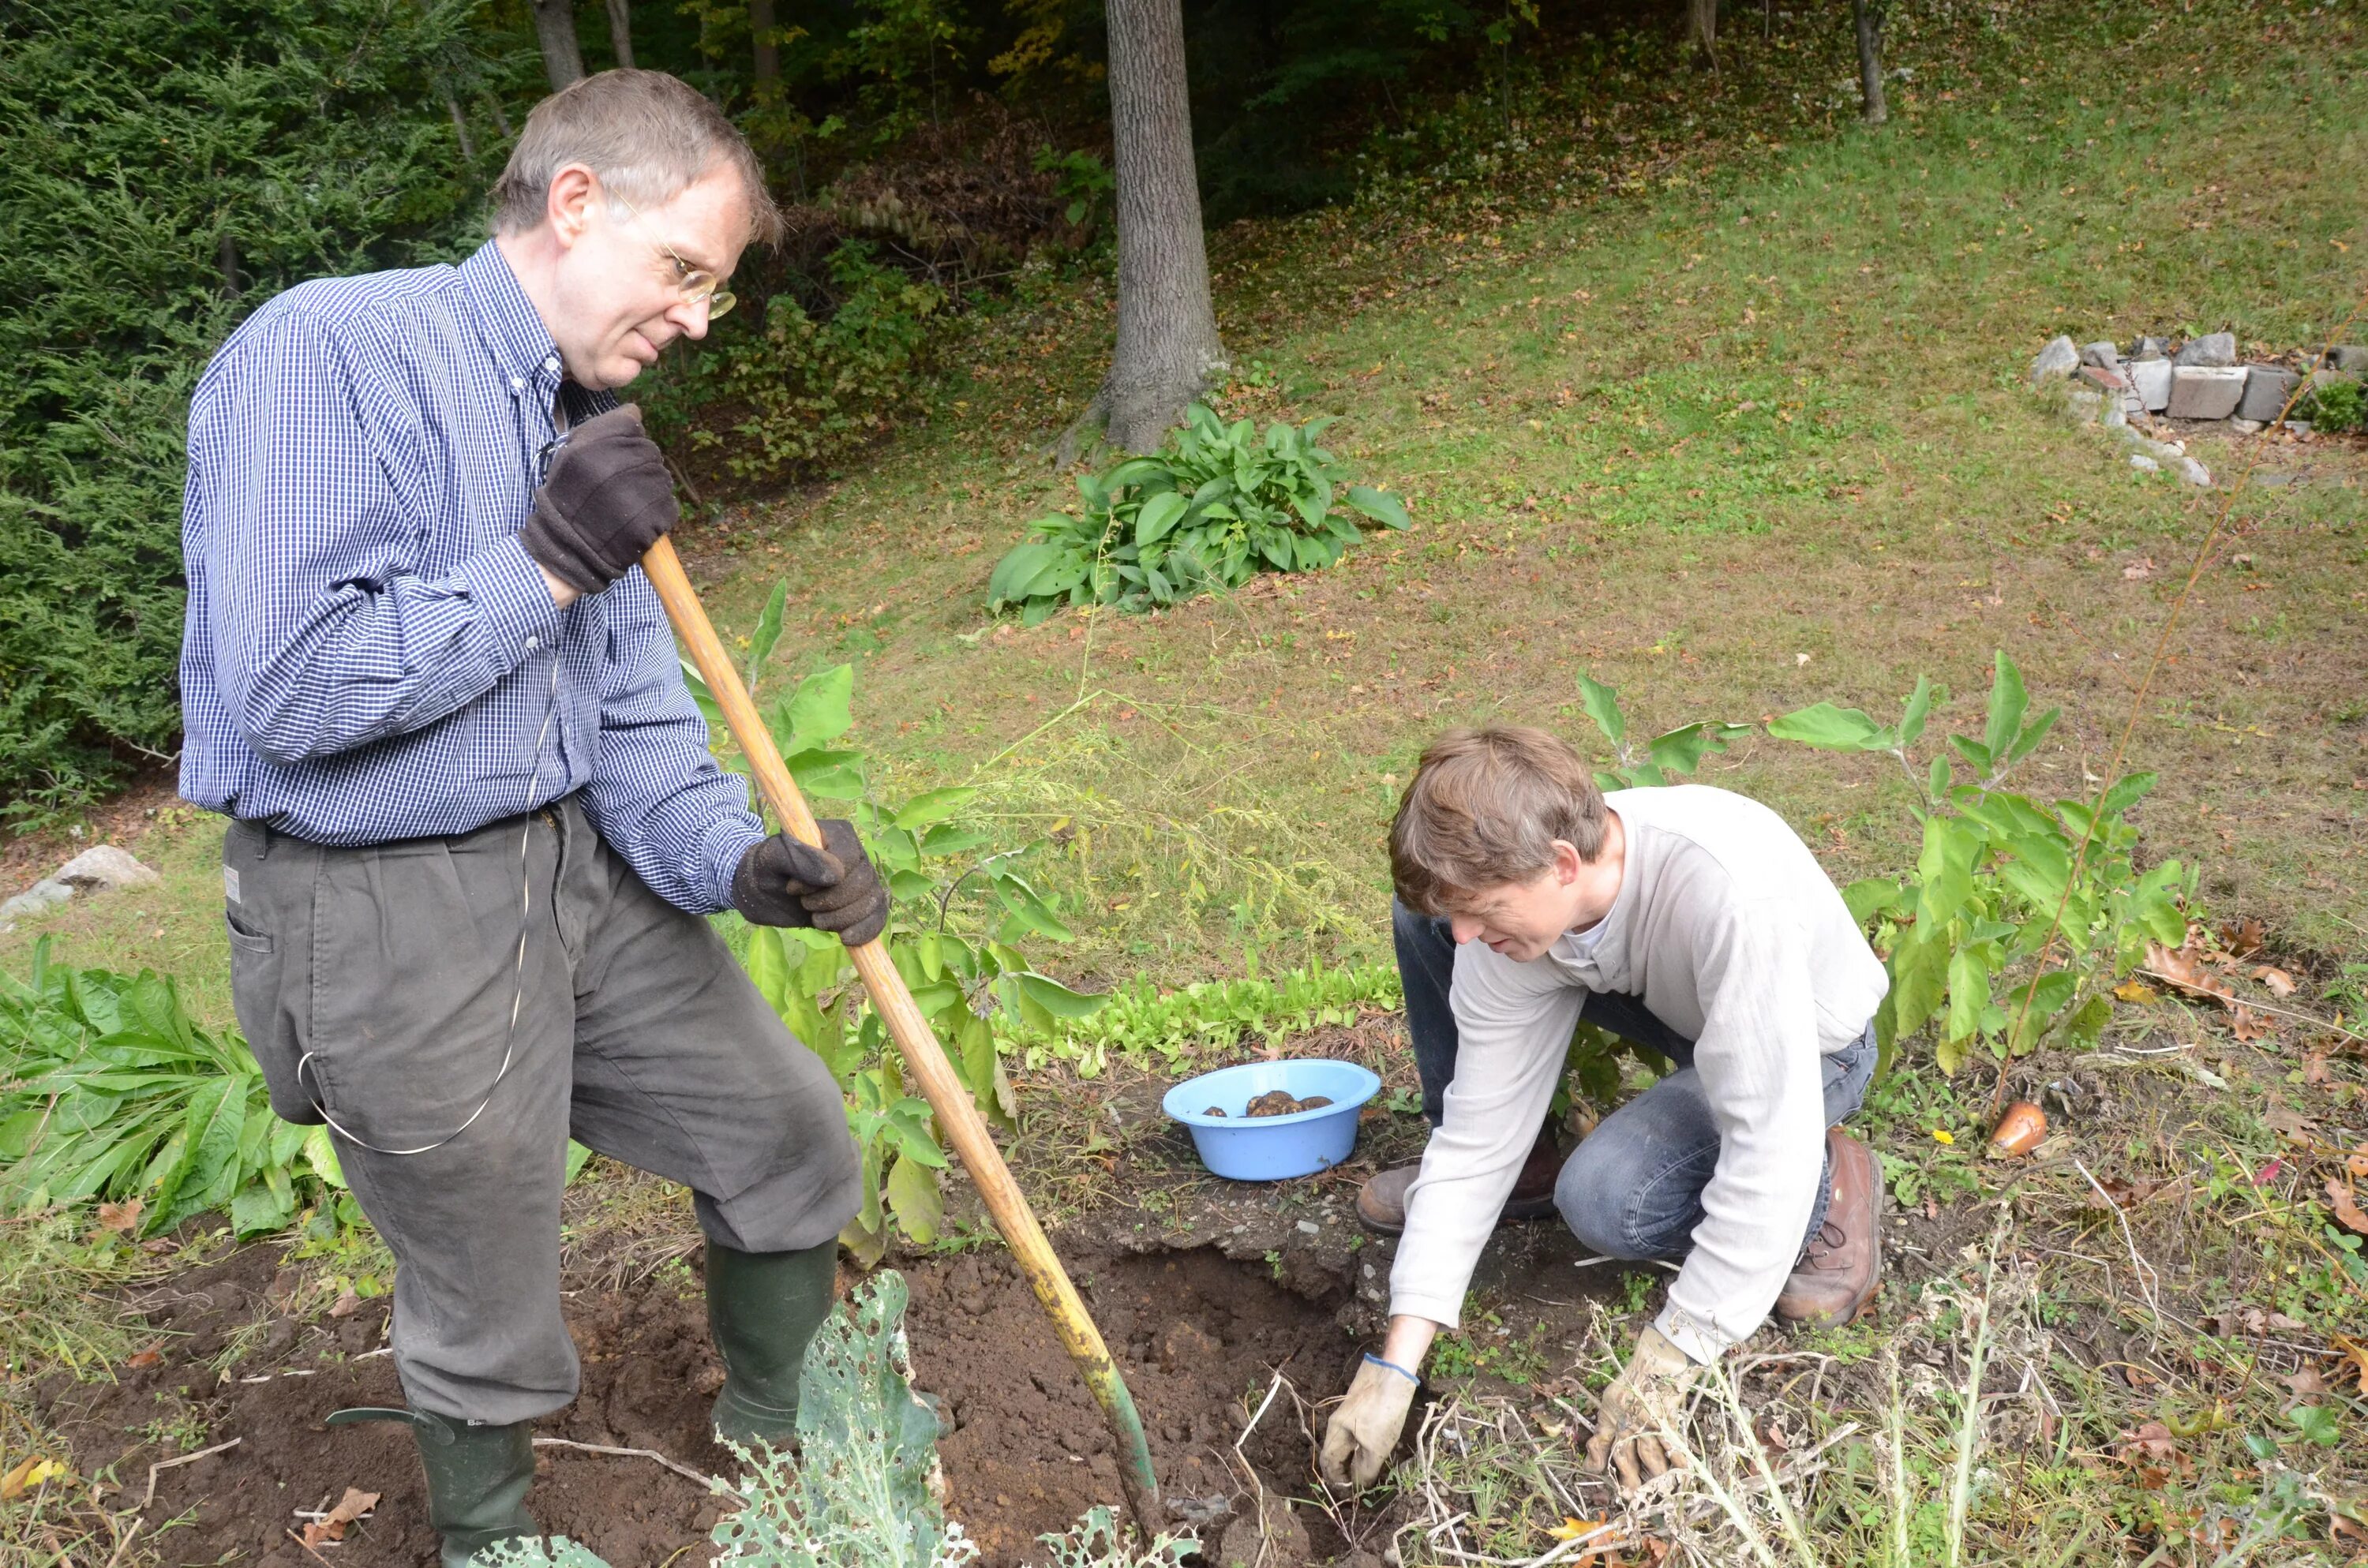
<point>2338,405</point>
<point>796,392</point>
<point>857,1494</point>
<point>962,905</point>
<point>168,166</point>
<point>110,1092</point>
<point>1139,1018</point>
<point>1216,507</point>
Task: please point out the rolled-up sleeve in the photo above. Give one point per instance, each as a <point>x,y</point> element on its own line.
<point>658,794</point>
<point>325,638</point>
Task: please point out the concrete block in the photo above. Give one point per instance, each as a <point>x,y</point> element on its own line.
<point>2151,378</point>
<point>2213,350</point>
<point>2058,360</point>
<point>2348,356</point>
<point>2205,391</point>
<point>2103,355</point>
<point>2266,390</point>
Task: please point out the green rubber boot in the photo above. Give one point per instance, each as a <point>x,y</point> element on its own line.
<point>763,1309</point>
<point>477,1478</point>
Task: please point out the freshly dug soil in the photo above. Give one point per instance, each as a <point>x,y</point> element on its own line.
<point>1199,1338</point>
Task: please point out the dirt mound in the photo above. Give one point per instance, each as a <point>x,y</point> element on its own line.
<point>1199,1338</point>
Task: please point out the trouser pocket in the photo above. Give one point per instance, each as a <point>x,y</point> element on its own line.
<point>269,940</point>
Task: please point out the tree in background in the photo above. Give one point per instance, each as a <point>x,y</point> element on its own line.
<point>1867,17</point>
<point>554,28</point>
<point>1168,351</point>
<point>1701,29</point>
<point>620,31</point>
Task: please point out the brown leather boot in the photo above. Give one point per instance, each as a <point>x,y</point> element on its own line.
<point>1380,1202</point>
<point>1843,1262</point>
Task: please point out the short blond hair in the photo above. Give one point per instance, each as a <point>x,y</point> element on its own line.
<point>1485,808</point>
<point>647,137</point>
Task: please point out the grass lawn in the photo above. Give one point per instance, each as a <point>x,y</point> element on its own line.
<point>1700,389</point>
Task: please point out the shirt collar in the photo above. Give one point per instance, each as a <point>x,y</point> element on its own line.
<point>507,321</point>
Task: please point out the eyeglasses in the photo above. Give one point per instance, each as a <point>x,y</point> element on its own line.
<point>694,283</point>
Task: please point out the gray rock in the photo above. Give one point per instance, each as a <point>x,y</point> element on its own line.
<point>2214,350</point>
<point>2193,472</point>
<point>2266,390</point>
<point>2143,463</point>
<point>2244,427</point>
<point>103,868</point>
<point>2151,379</point>
<point>2103,355</point>
<point>2199,391</point>
<point>2116,416</point>
<point>2348,356</point>
<point>2299,426</point>
<point>48,890</point>
<point>2058,360</point>
<point>2150,349</point>
<point>2081,406</point>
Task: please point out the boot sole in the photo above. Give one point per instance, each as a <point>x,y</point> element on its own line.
<point>1516,1211</point>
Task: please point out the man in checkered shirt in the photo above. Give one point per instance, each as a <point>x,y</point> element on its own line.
<point>475,823</point>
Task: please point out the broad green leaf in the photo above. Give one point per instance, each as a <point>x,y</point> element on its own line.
<point>578,1156</point>
<point>2086,1027</point>
<point>258,1210</point>
<point>1945,870</point>
<point>1919,708</point>
<point>2008,702</point>
<point>1969,992</point>
<point>1919,978</point>
<point>1828,727</point>
<point>934,805</point>
<point>2044,1001</point>
<point>1680,750</point>
<point>2033,733</point>
<point>1016,575</point>
<point>1158,518</point>
<point>1602,705</point>
<point>321,1154</point>
<point>914,1198</point>
<point>1025,906</point>
<point>819,711</point>
<point>1381,506</point>
<point>1056,998</point>
<point>1871,896</point>
<point>2126,791</point>
<point>768,635</point>
<point>829,775</point>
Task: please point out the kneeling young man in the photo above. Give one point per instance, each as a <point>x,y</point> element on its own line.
<point>1688,920</point>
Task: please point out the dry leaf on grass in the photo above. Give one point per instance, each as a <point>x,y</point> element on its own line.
<point>2242,938</point>
<point>2251,1026</point>
<point>2138,571</point>
<point>119,1217</point>
<point>2280,983</point>
<point>2314,1070</point>
<point>2345,1204</point>
<point>348,1303</point>
<point>28,1474</point>
<point>2185,969</point>
<point>2354,1360</point>
<point>2136,990</point>
<point>152,1357</point>
<point>332,1525</point>
<point>2306,1383</point>
<point>2292,1125</point>
<point>2356,1162</point>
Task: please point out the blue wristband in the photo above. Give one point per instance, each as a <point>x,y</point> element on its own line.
<point>1393,1367</point>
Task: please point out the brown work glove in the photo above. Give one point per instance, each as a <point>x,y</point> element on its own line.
<point>1364,1428</point>
<point>1646,1400</point>
<point>783,882</point>
<point>608,499</point>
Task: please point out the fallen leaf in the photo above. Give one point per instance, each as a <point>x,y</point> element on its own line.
<point>2128,1194</point>
<point>2151,1441</point>
<point>2342,1528</point>
<point>28,1474</point>
<point>348,1303</point>
<point>2184,970</point>
<point>2356,1162</point>
<point>2280,983</point>
<point>2136,990</point>
<point>2306,1382</point>
<point>2345,1204</point>
<point>2314,1069</point>
<point>152,1357</point>
<point>2138,571</point>
<point>2354,1357</point>
<point>1571,1530</point>
<point>2242,938</point>
<point>119,1217</point>
<point>2251,1026</point>
<point>331,1526</point>
<point>2296,1127</point>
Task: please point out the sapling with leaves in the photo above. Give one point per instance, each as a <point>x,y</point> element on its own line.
<point>962,907</point>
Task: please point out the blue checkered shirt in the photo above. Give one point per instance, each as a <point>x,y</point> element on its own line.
<point>371,654</point>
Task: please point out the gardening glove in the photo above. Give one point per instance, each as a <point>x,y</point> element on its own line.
<point>1363,1431</point>
<point>1648,1399</point>
<point>608,499</point>
<point>783,882</point>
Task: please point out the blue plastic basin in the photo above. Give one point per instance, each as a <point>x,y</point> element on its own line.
<point>1271,1148</point>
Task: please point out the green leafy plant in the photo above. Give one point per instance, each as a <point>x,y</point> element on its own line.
<point>1216,505</point>
<point>962,906</point>
<point>1084,184</point>
<point>1972,938</point>
<point>1140,1019</point>
<point>112,1092</point>
<point>1665,758</point>
<point>2338,405</point>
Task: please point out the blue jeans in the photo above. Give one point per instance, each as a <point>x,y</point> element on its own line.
<point>1633,1188</point>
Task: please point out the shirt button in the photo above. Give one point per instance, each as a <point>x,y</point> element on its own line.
<point>517,383</point>
<point>532,644</point>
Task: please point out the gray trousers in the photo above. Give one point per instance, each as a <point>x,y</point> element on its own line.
<point>387,974</point>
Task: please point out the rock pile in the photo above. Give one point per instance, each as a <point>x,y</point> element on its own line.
<point>103,868</point>
<point>2200,379</point>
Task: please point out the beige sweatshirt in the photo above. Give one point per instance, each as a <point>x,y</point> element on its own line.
<point>1733,934</point>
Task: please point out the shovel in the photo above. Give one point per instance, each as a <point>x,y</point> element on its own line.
<point>924,1058</point>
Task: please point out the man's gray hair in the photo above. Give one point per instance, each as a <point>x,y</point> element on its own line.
<point>647,136</point>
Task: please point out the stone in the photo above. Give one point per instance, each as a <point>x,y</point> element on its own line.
<point>2058,360</point>
<point>2193,472</point>
<point>2266,390</point>
<point>2146,348</point>
<point>103,868</point>
<point>2214,351</point>
<point>2299,426</point>
<point>2103,355</point>
<point>2100,378</point>
<point>2151,379</point>
<point>2348,356</point>
<point>2143,463</point>
<point>1251,1539</point>
<point>48,890</point>
<point>2205,391</point>
<point>2244,427</point>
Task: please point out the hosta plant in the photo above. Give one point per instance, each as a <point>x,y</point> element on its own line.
<point>962,908</point>
<point>1217,505</point>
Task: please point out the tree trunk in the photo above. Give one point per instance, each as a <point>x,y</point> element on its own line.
<point>460,124</point>
<point>1870,62</point>
<point>621,33</point>
<point>1169,350</point>
<point>554,28</point>
<point>1701,28</point>
<point>768,48</point>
